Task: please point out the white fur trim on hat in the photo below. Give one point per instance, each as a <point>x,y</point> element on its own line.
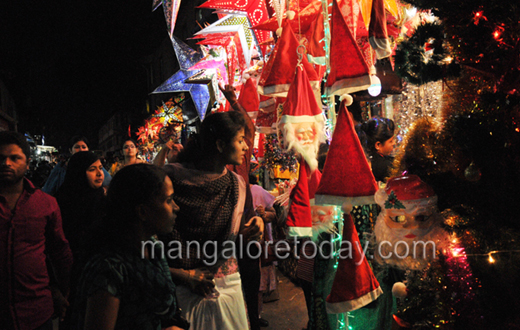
<point>286,119</point>
<point>352,305</point>
<point>341,200</point>
<point>348,99</point>
<point>299,232</point>
<point>349,85</point>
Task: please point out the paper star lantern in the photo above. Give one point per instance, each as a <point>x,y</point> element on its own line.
<point>218,65</point>
<point>256,11</point>
<point>238,24</point>
<point>156,4</point>
<point>187,58</point>
<point>171,10</point>
<point>301,22</point>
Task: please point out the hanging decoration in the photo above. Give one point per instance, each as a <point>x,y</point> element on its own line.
<point>274,156</point>
<point>276,76</point>
<point>237,25</point>
<point>215,61</point>
<point>171,10</point>
<point>186,57</point>
<point>256,11</point>
<point>163,125</point>
<point>352,75</point>
<point>422,57</point>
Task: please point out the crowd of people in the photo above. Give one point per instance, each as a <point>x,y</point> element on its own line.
<point>77,248</point>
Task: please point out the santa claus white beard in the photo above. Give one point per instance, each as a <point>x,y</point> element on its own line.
<point>392,248</point>
<point>308,151</point>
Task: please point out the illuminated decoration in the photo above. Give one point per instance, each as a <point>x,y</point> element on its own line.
<point>163,125</point>
<point>274,156</point>
<point>238,24</point>
<point>478,16</point>
<point>256,13</point>
<point>375,88</point>
<point>186,57</point>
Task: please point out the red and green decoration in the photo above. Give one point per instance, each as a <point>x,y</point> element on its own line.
<point>484,37</point>
<point>423,58</point>
<point>393,203</point>
<point>164,124</point>
<point>275,156</point>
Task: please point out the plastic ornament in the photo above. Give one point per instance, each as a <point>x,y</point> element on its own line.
<point>290,14</point>
<point>472,173</point>
<point>399,290</point>
<point>375,88</point>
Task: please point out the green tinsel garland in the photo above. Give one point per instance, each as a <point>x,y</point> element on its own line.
<point>410,56</point>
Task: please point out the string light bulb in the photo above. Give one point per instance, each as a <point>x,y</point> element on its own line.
<point>375,87</point>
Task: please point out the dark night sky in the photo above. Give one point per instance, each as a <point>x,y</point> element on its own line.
<point>71,64</point>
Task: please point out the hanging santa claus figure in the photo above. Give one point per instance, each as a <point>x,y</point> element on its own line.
<point>301,122</point>
<point>408,229</point>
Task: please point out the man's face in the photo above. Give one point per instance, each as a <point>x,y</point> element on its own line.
<point>13,164</point>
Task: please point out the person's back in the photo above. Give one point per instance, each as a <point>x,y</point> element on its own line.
<point>30,229</point>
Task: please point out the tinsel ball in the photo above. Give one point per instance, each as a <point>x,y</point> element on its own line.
<point>399,290</point>
<point>472,173</point>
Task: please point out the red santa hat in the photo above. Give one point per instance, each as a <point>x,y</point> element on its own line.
<point>301,106</point>
<point>278,73</point>
<point>406,194</point>
<point>378,35</point>
<point>299,218</point>
<point>349,71</point>
<point>248,97</point>
<point>266,118</point>
<point>347,177</point>
<point>354,285</point>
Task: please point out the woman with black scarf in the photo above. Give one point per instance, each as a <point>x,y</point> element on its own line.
<point>81,198</point>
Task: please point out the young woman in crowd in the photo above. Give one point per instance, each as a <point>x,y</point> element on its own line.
<point>81,198</point>
<point>126,284</point>
<point>129,156</point>
<point>211,200</point>
<point>379,134</point>
<point>57,176</point>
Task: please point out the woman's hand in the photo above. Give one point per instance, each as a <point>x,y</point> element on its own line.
<point>260,211</point>
<point>229,93</point>
<point>200,281</point>
<point>254,229</point>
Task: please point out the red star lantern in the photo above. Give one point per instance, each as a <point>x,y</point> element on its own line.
<point>256,13</point>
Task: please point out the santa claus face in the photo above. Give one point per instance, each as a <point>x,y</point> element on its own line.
<point>305,133</point>
<point>408,240</point>
<point>411,225</point>
<point>322,214</point>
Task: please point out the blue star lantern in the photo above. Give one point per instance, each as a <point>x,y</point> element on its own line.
<point>187,58</point>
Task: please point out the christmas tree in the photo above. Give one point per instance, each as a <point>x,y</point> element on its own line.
<point>472,160</point>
